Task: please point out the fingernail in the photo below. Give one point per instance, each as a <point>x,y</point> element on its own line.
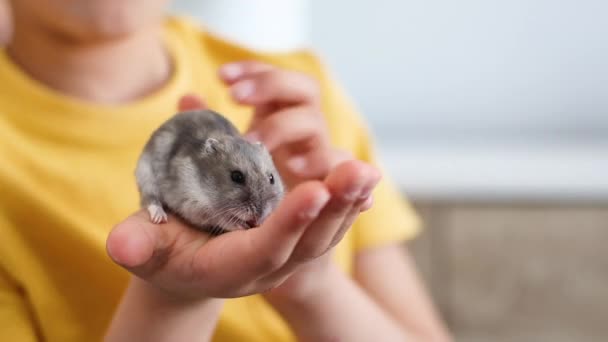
<point>352,194</point>
<point>231,71</point>
<point>297,164</point>
<point>243,90</point>
<point>366,192</point>
<point>317,206</point>
<point>368,203</point>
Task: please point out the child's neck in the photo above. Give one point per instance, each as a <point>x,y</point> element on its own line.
<point>108,72</point>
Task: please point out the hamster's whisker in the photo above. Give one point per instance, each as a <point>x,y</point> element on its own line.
<point>221,218</point>
<point>225,220</point>
<point>215,230</point>
<point>225,223</point>
<point>217,214</point>
<point>220,212</point>
<point>224,206</point>
<point>222,224</point>
<point>235,216</point>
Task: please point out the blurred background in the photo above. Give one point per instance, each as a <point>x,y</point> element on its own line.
<point>492,117</point>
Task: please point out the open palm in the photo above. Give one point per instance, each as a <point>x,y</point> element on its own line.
<point>310,220</point>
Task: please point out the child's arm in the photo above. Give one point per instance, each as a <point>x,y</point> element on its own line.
<point>387,302</point>
<point>149,314</point>
<point>340,311</point>
<point>388,275</point>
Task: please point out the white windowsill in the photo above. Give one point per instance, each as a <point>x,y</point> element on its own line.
<point>533,172</point>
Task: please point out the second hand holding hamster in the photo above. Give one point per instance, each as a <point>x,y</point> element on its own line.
<point>199,167</point>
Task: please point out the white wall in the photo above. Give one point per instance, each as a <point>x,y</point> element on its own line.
<point>270,25</point>
<point>493,69</point>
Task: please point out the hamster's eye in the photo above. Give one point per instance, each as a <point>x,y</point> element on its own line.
<point>237,177</point>
<point>271,178</point>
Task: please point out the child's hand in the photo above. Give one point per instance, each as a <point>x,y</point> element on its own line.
<point>287,117</point>
<point>186,263</point>
<point>289,121</point>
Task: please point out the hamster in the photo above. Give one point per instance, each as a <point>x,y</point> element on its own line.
<point>197,166</point>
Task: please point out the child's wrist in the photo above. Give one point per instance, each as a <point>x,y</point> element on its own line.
<point>303,299</point>
<point>147,313</point>
<point>165,298</point>
<point>306,313</point>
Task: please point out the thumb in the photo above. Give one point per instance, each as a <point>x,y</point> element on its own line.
<point>136,242</point>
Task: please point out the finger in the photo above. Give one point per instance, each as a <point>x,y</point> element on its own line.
<point>367,198</point>
<point>316,163</point>
<point>287,126</point>
<point>276,86</point>
<point>363,203</point>
<point>368,204</point>
<point>346,183</point>
<point>233,72</point>
<point>359,207</point>
<point>256,252</point>
<point>338,156</point>
<point>191,102</point>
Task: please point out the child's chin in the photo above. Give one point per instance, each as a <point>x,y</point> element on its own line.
<point>106,25</point>
<point>103,30</point>
<point>92,32</point>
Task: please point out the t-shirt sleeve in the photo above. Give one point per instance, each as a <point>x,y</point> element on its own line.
<point>15,319</point>
<point>391,219</point>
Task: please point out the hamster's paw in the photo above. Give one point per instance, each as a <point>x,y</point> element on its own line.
<point>157,214</point>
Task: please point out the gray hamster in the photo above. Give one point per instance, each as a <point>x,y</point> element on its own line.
<point>197,166</point>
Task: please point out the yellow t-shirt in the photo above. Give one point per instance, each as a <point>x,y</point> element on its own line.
<point>66,177</point>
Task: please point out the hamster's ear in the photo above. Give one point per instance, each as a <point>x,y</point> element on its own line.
<point>211,146</point>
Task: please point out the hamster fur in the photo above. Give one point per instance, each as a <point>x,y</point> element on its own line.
<point>198,167</point>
